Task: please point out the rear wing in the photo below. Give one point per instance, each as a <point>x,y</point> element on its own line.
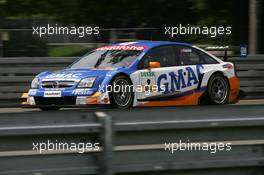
<point>226,52</point>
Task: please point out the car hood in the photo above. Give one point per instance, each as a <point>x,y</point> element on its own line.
<point>72,74</point>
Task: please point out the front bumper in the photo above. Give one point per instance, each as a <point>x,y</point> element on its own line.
<point>66,98</point>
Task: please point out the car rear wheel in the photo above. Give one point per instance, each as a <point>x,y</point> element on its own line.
<point>218,89</point>
<point>122,95</point>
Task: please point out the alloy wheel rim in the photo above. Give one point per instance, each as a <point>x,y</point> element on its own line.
<point>219,90</point>
<point>122,97</point>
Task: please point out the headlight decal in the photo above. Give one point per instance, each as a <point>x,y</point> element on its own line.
<point>35,83</point>
<point>87,82</point>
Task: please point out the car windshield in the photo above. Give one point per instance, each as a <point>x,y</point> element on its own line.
<point>107,59</point>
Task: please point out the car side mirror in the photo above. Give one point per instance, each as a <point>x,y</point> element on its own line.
<point>154,64</point>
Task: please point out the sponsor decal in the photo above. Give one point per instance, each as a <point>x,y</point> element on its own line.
<point>64,75</point>
<point>148,83</point>
<point>82,92</point>
<point>52,94</point>
<point>120,47</point>
<point>31,101</point>
<point>32,92</point>
<point>176,80</point>
<point>147,74</point>
<point>104,99</point>
<point>81,100</point>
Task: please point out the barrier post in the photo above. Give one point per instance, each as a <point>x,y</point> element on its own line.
<point>106,138</point>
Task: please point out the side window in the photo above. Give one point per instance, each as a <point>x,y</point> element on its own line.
<point>208,59</point>
<point>192,56</point>
<point>163,54</point>
<point>188,56</point>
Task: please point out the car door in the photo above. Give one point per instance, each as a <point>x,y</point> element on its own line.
<point>191,62</point>
<point>156,83</point>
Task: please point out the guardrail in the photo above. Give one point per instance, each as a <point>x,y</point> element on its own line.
<point>129,145</point>
<point>250,71</point>
<point>17,73</point>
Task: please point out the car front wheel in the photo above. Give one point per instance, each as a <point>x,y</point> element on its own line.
<point>122,94</point>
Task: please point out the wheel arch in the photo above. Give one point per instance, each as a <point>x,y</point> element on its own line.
<point>120,74</point>
<point>203,99</point>
<point>205,79</point>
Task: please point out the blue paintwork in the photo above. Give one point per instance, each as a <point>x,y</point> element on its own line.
<point>103,77</point>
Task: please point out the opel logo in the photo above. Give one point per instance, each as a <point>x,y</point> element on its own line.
<point>55,84</point>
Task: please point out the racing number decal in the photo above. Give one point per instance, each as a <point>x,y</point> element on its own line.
<point>168,81</point>
<point>148,83</point>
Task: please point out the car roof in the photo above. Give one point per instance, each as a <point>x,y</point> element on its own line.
<point>151,44</point>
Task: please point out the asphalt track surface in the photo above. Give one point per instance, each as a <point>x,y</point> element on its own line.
<point>243,109</point>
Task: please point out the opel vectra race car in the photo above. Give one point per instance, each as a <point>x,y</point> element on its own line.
<point>145,73</point>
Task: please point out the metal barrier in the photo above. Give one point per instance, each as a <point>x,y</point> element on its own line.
<point>129,145</point>
<point>17,73</point>
<point>250,71</point>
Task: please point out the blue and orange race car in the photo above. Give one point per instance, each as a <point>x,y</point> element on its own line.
<point>145,73</point>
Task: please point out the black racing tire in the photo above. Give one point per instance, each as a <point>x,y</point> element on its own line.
<point>218,89</point>
<point>49,108</point>
<point>121,98</point>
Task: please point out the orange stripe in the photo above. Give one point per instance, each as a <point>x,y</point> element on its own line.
<point>24,95</point>
<point>24,103</point>
<point>191,99</point>
<point>93,98</point>
<point>234,89</point>
<point>92,102</point>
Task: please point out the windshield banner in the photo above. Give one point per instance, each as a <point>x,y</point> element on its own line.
<point>121,48</point>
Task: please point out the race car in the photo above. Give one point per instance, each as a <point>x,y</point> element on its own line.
<point>143,73</point>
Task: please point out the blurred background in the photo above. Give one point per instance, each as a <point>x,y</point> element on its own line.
<point>124,20</point>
